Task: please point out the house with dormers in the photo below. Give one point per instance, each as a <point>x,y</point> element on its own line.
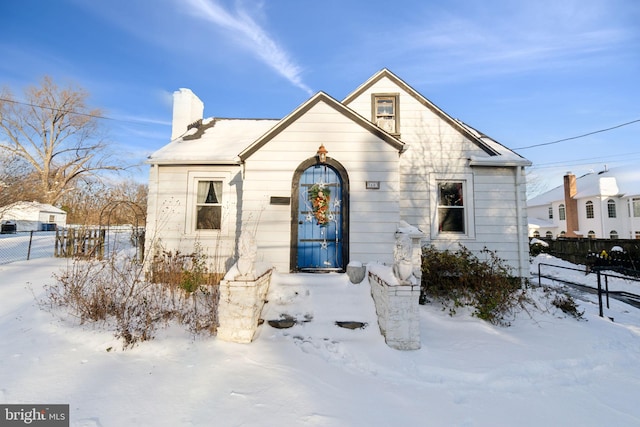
<point>333,181</point>
<point>603,205</point>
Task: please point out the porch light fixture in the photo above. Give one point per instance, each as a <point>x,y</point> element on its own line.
<point>322,154</point>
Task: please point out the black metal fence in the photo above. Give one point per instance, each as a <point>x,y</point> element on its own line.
<point>596,281</point>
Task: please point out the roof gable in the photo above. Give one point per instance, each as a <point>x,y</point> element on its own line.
<point>321,97</point>
<point>385,73</point>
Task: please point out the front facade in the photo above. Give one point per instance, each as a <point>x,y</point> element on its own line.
<point>331,182</point>
<point>606,205</point>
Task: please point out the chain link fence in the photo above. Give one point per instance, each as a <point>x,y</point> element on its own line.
<point>28,245</point>
<point>22,246</point>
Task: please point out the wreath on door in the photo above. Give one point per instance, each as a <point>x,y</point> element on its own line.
<point>320,196</point>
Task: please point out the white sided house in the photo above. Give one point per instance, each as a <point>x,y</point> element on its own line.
<point>603,205</point>
<point>33,216</point>
<point>332,182</point>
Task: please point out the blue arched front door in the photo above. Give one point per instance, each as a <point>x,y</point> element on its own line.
<point>320,219</point>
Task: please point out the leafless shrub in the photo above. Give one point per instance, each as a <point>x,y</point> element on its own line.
<point>115,292</point>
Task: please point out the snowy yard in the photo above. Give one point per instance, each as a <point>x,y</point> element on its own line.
<point>545,370</point>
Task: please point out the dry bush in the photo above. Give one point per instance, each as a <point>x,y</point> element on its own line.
<point>115,292</point>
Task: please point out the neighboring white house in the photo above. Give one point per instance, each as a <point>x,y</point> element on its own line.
<point>331,182</point>
<point>33,216</point>
<point>606,205</point>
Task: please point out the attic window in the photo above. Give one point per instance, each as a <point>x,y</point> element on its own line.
<point>385,112</point>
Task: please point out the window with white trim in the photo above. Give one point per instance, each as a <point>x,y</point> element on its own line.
<point>452,200</point>
<point>451,213</point>
<point>536,233</point>
<point>562,213</point>
<point>591,234</point>
<point>548,235</point>
<point>385,112</point>
<point>611,208</point>
<point>208,209</point>
<point>636,207</point>
<point>613,234</point>
<point>589,208</point>
<point>550,212</point>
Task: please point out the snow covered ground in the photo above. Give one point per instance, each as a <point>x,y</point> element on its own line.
<point>545,370</point>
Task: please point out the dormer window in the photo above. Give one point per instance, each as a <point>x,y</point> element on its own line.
<point>385,112</point>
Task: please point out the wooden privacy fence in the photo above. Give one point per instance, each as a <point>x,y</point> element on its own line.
<point>80,242</point>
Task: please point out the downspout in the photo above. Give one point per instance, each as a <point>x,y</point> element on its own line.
<point>522,251</point>
<point>602,203</point>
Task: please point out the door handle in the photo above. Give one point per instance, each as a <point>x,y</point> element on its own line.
<point>300,222</point>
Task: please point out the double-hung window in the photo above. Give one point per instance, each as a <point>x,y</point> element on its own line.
<point>209,205</point>
<point>385,112</point>
<point>451,208</point>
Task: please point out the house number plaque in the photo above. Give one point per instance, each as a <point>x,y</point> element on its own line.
<point>373,185</point>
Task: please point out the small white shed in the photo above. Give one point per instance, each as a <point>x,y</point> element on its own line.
<point>34,216</point>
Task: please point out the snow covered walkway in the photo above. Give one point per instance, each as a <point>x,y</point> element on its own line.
<point>317,302</point>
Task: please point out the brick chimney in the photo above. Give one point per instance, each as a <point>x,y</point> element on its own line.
<point>187,108</point>
<point>571,204</point>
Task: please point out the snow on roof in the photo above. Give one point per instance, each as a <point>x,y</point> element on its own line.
<point>19,209</point>
<point>504,157</point>
<point>214,141</point>
<point>540,223</point>
<point>554,195</point>
<point>623,181</point>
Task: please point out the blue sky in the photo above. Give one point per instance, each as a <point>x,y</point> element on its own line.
<point>523,72</point>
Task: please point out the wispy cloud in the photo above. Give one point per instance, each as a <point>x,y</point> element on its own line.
<point>252,37</point>
<point>546,36</point>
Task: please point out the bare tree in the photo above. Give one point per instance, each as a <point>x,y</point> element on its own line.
<point>106,203</point>
<point>56,134</point>
<point>15,180</point>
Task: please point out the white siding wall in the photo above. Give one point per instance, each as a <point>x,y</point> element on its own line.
<point>634,222</point>
<point>601,223</point>
<point>171,205</point>
<point>374,214</point>
<point>437,148</point>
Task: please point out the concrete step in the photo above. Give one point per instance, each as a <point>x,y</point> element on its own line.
<point>323,305</point>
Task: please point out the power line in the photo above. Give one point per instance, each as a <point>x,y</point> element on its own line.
<point>579,136</point>
<point>55,109</point>
<point>95,116</point>
<point>625,156</point>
